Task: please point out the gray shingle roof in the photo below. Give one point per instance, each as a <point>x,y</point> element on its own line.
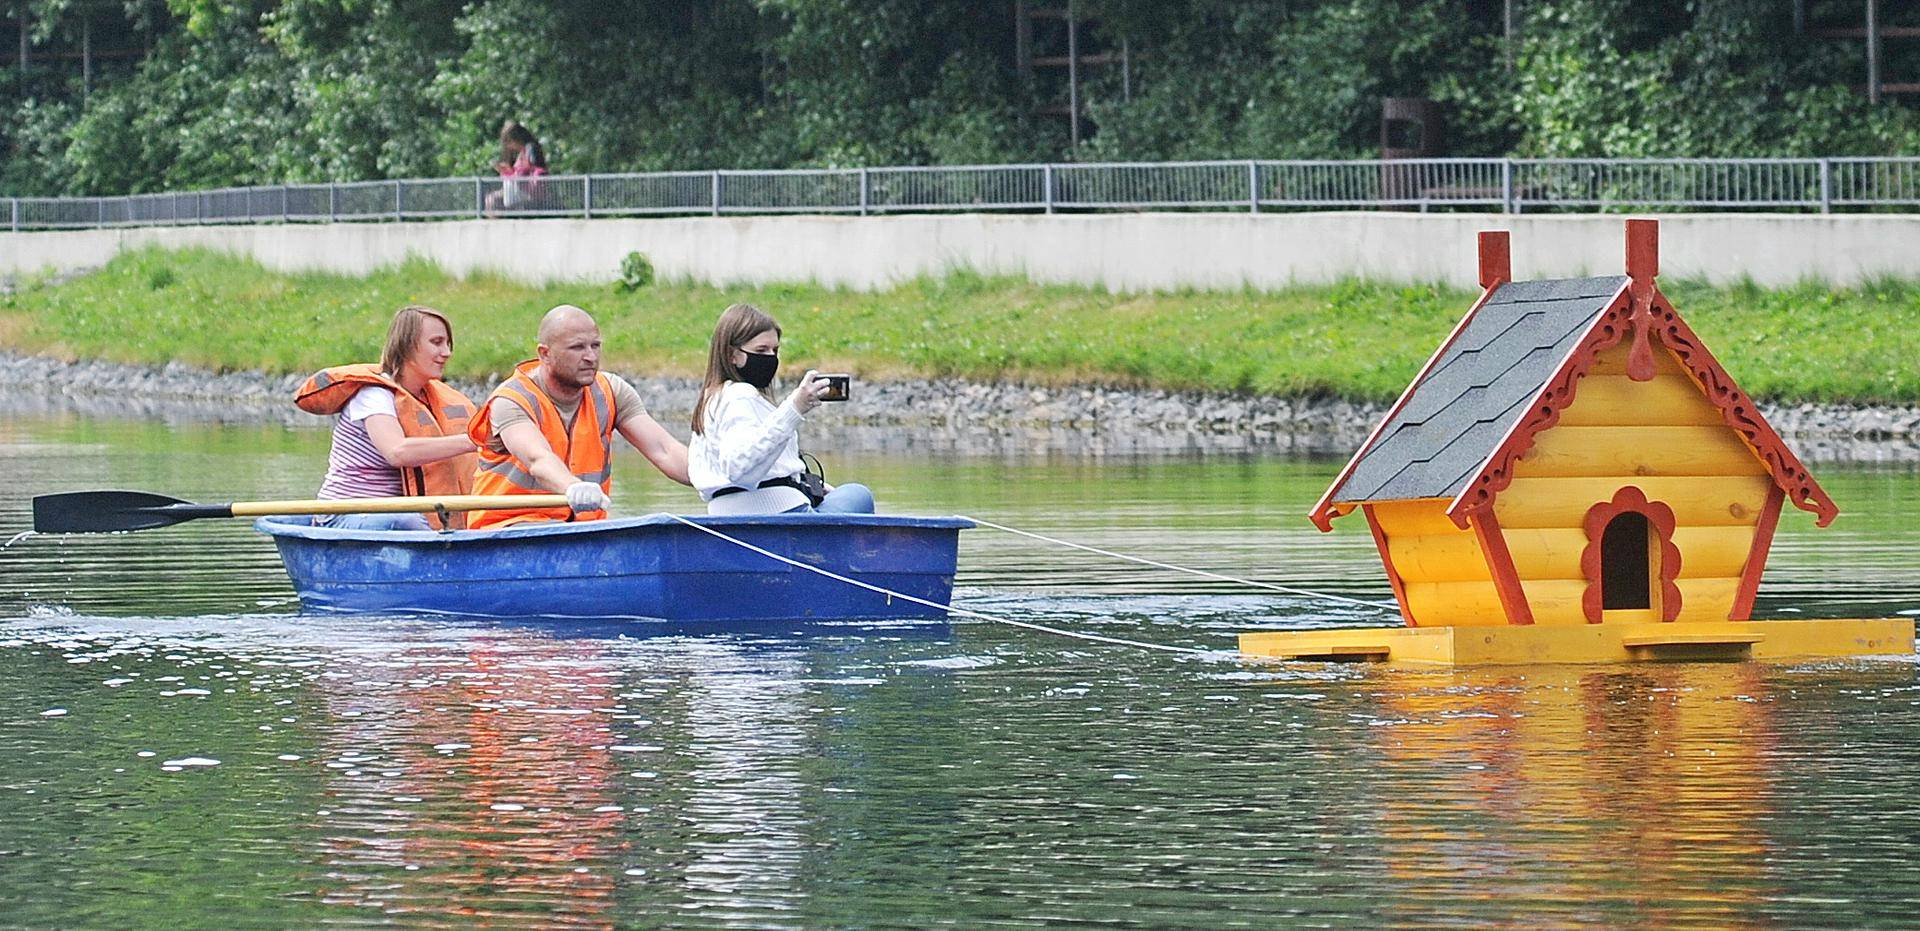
<point>1435,443</point>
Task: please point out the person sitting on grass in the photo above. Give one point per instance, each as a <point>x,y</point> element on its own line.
<point>400,430</point>
<point>745,454</point>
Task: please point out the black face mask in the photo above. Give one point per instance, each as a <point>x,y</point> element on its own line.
<point>759,369</point>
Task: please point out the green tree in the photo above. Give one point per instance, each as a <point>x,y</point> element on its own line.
<point>264,91</point>
<point>1723,78</point>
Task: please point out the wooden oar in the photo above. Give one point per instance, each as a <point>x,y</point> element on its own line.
<point>110,511</point>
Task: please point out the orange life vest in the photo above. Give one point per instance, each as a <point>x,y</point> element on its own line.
<point>587,448</point>
<point>445,412</point>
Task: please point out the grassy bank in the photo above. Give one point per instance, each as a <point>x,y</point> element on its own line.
<point>1354,340</point>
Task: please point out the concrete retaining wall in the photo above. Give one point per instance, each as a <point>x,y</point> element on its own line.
<point>1121,252</point>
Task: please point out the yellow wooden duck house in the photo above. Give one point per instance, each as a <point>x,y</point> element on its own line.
<point>1573,477</point>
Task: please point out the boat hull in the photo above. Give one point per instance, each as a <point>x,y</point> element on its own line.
<point>651,568</point>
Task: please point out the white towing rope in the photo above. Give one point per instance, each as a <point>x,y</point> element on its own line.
<point>1199,572</point>
<point>1167,648</point>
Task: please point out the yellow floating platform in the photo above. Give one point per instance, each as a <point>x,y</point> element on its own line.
<point>1588,643</point>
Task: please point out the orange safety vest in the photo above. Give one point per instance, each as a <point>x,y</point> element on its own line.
<point>445,412</point>
<point>586,448</point>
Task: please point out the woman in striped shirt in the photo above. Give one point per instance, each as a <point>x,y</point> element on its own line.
<point>369,446</point>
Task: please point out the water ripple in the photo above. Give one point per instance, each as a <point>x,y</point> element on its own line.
<point>184,748</point>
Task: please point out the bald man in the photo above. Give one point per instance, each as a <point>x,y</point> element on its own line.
<point>549,428</point>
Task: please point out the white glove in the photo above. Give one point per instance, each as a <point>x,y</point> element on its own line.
<point>586,496</point>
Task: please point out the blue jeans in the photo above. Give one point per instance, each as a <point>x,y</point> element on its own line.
<point>373,521</point>
<point>851,498</point>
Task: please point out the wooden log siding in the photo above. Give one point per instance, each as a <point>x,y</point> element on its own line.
<point>1441,567</point>
<point>1663,437</point>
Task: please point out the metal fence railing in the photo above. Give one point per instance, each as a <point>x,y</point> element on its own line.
<point>1510,185</point>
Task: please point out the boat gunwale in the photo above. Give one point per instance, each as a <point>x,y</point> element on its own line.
<point>279,527</point>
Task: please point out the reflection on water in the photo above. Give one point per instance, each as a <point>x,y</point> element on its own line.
<point>445,773</point>
<point>1607,784</point>
<point>487,781</point>
<point>448,773</point>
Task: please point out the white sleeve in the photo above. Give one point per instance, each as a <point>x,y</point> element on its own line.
<point>368,401</point>
<point>746,442</point>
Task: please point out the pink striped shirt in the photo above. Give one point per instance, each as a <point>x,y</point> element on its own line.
<point>355,468</point>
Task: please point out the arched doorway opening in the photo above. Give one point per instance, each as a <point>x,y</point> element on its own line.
<point>1630,562</point>
<point>1626,573</point>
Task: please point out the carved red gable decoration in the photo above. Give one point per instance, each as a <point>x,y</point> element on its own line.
<point>1542,414</point>
<point>1646,314</point>
<point>1643,264</point>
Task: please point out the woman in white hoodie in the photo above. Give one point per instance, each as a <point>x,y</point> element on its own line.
<point>745,454</point>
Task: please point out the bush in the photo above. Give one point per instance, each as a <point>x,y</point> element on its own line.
<point>636,272</point>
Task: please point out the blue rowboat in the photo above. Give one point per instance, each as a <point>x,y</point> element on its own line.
<point>646,568</point>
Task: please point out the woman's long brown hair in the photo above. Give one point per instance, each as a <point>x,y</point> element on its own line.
<point>738,324</point>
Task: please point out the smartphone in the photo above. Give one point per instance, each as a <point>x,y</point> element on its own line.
<point>839,387</point>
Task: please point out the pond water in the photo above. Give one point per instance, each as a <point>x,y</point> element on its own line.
<point>181,746</point>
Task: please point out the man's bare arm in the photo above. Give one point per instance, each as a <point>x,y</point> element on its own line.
<point>654,442</point>
<point>526,443</point>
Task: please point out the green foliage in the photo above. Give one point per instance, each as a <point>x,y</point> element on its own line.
<point>206,111</point>
<point>1240,79</point>
<point>261,91</point>
<point>362,79</point>
<point>1728,78</point>
<point>1354,339</point>
<point>37,131</point>
<point>636,272</point>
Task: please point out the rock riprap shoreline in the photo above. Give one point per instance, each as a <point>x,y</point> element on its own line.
<point>933,414</point>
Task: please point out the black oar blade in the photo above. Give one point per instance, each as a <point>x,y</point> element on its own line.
<point>109,511</point>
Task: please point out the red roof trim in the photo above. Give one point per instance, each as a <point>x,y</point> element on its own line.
<point>1554,396</point>
<point>1735,406</point>
<point>1324,510</point>
<point>1741,413</point>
